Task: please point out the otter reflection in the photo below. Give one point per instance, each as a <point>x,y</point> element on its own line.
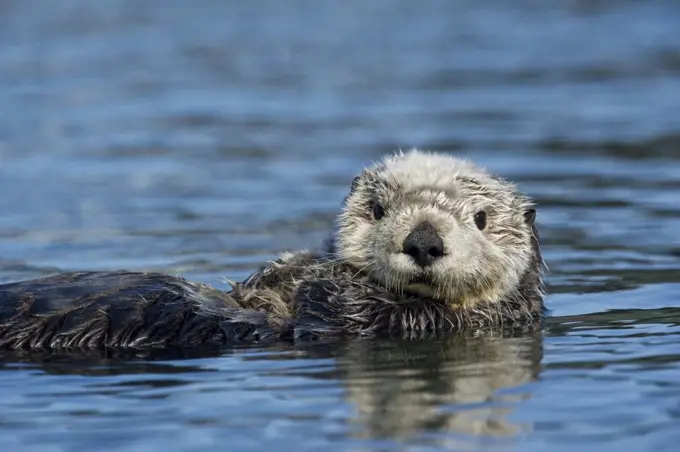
<point>401,389</point>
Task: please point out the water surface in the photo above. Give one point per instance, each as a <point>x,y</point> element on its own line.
<point>204,138</point>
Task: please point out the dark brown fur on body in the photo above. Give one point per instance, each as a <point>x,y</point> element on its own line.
<point>124,309</point>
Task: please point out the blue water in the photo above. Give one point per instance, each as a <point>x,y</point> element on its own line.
<point>203,138</point>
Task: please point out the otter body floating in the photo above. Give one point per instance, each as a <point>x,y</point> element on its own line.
<point>425,243</point>
<point>123,309</point>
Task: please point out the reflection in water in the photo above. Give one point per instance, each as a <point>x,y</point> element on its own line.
<point>459,385</point>
<point>104,362</point>
<point>463,385</point>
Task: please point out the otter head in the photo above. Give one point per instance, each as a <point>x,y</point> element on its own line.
<point>439,227</point>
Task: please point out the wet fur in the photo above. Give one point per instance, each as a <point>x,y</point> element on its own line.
<point>124,309</point>
<point>346,289</point>
<point>415,187</point>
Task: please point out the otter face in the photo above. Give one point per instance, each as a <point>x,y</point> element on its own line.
<point>437,226</point>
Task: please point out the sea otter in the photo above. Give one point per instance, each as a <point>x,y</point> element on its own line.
<point>425,243</point>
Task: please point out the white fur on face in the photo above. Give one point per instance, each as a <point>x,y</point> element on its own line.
<point>447,192</point>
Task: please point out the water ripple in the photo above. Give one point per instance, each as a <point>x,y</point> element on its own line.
<point>203,141</point>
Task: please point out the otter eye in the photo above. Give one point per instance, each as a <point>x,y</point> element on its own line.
<point>378,211</point>
<point>480,220</point>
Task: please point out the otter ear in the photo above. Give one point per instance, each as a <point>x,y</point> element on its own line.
<point>355,184</point>
<point>530,216</point>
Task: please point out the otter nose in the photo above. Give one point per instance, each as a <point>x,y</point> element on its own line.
<point>424,244</point>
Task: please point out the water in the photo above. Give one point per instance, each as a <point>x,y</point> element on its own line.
<point>203,138</point>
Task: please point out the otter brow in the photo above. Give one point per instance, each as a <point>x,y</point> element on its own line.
<point>417,192</point>
<point>473,183</point>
